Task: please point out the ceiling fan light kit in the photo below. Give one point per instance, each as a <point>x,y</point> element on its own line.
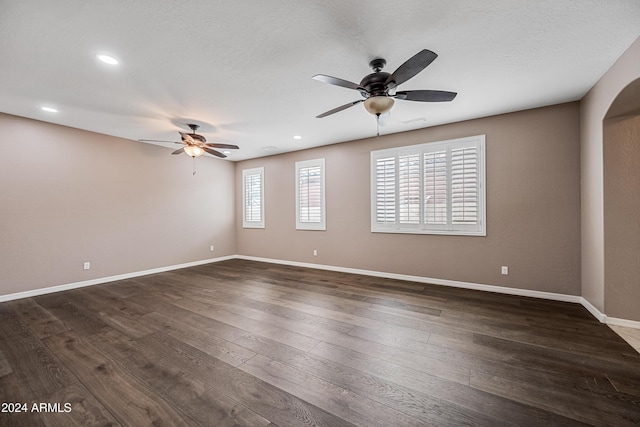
<point>193,151</point>
<point>377,105</point>
<point>378,88</point>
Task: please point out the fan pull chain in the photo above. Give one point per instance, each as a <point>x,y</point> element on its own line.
<point>378,125</point>
<point>194,165</point>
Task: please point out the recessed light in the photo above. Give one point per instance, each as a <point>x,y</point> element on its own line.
<point>108,59</point>
<point>297,137</point>
<point>49,109</point>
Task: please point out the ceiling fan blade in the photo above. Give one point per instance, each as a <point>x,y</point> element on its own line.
<point>214,152</point>
<point>336,81</point>
<point>340,108</point>
<point>227,146</point>
<point>178,151</point>
<point>198,137</point>
<point>158,140</point>
<point>411,67</point>
<point>426,95</point>
<point>187,138</point>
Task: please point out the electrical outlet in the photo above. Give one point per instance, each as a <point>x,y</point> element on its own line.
<point>87,265</point>
<point>211,248</point>
<point>505,270</point>
<point>315,252</point>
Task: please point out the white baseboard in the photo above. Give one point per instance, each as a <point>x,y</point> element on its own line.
<point>75,285</point>
<point>421,279</point>
<point>602,318</point>
<point>623,322</point>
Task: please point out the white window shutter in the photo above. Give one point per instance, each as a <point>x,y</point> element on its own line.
<point>310,199</point>
<point>432,188</point>
<point>464,185</point>
<point>435,187</point>
<point>409,189</point>
<point>385,179</point>
<point>253,198</point>
<point>310,190</point>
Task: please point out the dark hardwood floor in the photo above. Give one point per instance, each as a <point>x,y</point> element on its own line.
<point>254,344</point>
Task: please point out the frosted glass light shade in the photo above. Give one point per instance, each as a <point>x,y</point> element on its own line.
<point>193,151</point>
<point>378,104</point>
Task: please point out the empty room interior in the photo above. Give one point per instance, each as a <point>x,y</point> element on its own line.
<point>320,213</point>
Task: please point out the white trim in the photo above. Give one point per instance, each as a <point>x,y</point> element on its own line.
<point>602,318</point>
<point>98,281</point>
<point>421,279</point>
<point>623,322</point>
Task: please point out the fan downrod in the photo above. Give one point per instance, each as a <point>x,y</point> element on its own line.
<point>377,64</point>
<point>193,127</point>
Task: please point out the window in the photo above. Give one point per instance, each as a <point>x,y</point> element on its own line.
<point>310,209</point>
<point>433,188</point>
<point>253,198</point>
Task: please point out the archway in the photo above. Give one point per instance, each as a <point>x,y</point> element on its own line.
<point>621,170</point>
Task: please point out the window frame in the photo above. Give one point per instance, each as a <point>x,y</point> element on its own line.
<point>245,173</point>
<point>322,224</point>
<point>449,228</point>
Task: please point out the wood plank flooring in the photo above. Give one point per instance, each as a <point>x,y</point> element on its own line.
<point>255,344</point>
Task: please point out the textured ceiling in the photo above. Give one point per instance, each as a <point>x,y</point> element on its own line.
<point>242,69</point>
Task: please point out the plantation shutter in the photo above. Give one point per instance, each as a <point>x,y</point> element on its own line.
<point>385,179</point>
<point>435,187</point>
<point>432,188</point>
<point>253,200</point>
<point>310,192</point>
<point>464,185</point>
<point>409,189</point>
<point>310,210</point>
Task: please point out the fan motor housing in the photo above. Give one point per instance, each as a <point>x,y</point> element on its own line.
<point>374,84</point>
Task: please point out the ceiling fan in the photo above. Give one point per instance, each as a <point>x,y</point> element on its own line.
<point>196,145</point>
<point>378,88</point>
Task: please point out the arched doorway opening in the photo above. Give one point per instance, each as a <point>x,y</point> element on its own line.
<point>621,170</point>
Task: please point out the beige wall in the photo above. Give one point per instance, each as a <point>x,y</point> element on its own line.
<point>621,218</point>
<point>533,207</point>
<point>593,108</point>
<point>70,196</point>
